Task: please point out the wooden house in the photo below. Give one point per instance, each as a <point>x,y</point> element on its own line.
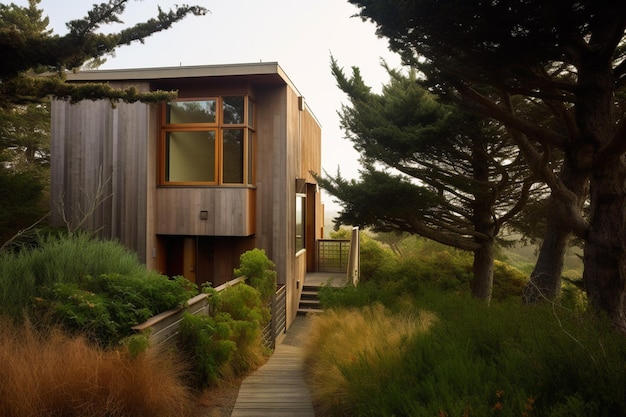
<point>192,184</point>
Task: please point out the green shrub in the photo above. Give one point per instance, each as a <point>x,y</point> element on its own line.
<point>87,285</point>
<point>248,315</point>
<point>68,259</point>
<point>507,281</point>
<point>366,293</point>
<point>229,342</point>
<point>207,340</point>
<point>376,261</point>
<point>259,272</point>
<point>108,306</point>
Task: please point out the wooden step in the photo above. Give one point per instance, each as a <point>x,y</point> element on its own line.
<point>309,300</point>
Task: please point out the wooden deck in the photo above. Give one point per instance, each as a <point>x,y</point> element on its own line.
<point>277,389</point>
<point>318,279</point>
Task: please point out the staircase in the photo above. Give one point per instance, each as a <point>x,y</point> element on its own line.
<point>309,300</point>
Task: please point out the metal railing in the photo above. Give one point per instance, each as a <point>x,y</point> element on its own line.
<point>333,255</point>
<point>278,322</point>
<point>163,328</point>
<point>340,256</point>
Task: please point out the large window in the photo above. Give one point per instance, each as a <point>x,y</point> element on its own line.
<point>208,141</point>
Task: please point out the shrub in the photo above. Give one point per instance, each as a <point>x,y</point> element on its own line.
<point>376,262</point>
<point>259,271</point>
<point>248,315</point>
<point>107,307</point>
<point>87,285</point>
<point>507,281</point>
<point>207,340</point>
<point>229,342</point>
<point>53,374</point>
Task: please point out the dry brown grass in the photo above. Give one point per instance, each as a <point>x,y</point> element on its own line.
<point>339,338</point>
<point>58,375</point>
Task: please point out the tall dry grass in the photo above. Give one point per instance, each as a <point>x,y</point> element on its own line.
<point>340,339</point>
<point>58,375</point>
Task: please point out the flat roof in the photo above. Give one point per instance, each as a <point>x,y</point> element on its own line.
<point>265,70</point>
<point>261,71</point>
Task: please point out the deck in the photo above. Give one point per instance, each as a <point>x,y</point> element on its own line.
<point>279,388</point>
<point>318,279</point>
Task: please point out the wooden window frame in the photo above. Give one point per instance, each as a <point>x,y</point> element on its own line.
<point>249,139</point>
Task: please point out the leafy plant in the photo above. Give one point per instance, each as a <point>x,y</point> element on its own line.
<point>207,340</point>
<point>259,271</point>
<point>108,306</point>
<point>229,341</point>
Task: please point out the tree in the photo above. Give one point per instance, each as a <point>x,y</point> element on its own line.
<point>33,67</point>
<point>565,57</point>
<point>459,180</point>
<point>34,60</point>
<point>25,137</point>
<point>24,167</point>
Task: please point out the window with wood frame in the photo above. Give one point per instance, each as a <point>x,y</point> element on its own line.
<point>208,141</point>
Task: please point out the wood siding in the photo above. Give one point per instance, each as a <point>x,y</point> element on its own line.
<point>98,146</point>
<point>230,211</point>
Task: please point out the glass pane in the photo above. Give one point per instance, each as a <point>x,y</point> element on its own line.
<point>300,220</point>
<point>250,157</point>
<point>233,110</point>
<point>190,156</point>
<point>233,156</point>
<point>191,111</point>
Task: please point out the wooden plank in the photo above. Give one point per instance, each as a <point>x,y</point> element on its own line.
<point>276,389</point>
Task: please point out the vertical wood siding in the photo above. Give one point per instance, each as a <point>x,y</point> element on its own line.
<point>96,145</point>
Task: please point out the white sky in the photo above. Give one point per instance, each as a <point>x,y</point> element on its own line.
<point>300,35</point>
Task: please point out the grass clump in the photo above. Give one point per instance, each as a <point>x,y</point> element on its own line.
<point>472,360</point>
<point>52,374</point>
<point>356,346</point>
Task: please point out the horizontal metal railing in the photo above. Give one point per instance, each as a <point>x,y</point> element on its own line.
<point>163,328</point>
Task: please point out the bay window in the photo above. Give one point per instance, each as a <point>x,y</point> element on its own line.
<point>208,142</point>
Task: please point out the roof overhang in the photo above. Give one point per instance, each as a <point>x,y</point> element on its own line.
<point>265,72</point>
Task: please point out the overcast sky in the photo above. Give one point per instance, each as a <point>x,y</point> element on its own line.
<point>300,35</point>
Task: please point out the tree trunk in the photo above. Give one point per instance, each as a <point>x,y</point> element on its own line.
<point>605,250</point>
<point>545,279</point>
<point>482,283</point>
<point>605,244</point>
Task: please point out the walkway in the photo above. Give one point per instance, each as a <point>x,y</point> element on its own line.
<point>278,388</point>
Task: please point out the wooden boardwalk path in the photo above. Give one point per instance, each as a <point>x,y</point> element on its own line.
<point>277,389</point>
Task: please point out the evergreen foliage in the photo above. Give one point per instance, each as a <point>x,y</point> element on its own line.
<point>515,61</point>
<point>228,342</point>
<point>35,59</point>
<point>461,179</point>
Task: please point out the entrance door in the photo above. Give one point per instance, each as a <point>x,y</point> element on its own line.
<point>190,259</point>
